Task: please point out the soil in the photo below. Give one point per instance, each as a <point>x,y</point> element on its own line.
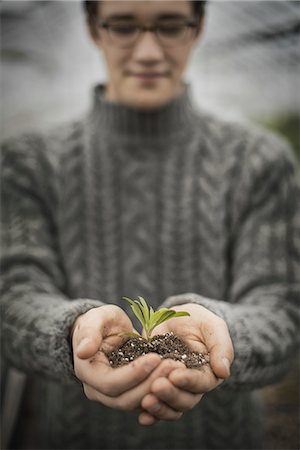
<point>166,345</point>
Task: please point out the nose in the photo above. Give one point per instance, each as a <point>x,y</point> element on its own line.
<point>148,48</point>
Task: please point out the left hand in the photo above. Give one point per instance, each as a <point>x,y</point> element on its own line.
<point>202,331</point>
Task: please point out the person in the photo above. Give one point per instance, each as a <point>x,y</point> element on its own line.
<point>148,195</point>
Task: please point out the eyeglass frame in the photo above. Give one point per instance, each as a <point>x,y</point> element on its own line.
<point>143,29</point>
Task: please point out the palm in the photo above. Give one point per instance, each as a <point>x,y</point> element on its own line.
<point>189,329</point>
<point>114,334</point>
<point>186,330</point>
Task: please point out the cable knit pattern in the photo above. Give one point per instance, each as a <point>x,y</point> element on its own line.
<point>175,205</point>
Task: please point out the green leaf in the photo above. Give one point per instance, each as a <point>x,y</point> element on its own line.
<point>156,315</point>
<point>143,311</point>
<point>138,314</point>
<point>145,308</point>
<point>150,318</point>
<point>128,299</point>
<point>132,334</point>
<point>159,317</point>
<point>136,309</point>
<point>165,316</point>
<point>181,313</point>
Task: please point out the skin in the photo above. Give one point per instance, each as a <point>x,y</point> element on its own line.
<point>203,332</point>
<point>125,65</point>
<point>156,389</point>
<point>122,388</point>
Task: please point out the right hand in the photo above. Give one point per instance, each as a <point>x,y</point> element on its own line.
<point>121,388</point>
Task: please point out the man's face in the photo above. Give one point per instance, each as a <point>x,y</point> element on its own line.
<point>146,75</point>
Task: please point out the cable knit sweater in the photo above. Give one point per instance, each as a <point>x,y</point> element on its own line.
<point>175,205</point>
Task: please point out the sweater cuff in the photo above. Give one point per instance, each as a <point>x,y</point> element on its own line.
<point>61,324</point>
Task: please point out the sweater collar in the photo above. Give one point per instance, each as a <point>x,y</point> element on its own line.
<point>122,121</point>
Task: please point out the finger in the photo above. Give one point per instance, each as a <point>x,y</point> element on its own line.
<point>195,381</point>
<point>147,419</point>
<point>219,344</point>
<point>172,396</point>
<point>159,409</point>
<point>144,417</point>
<point>114,382</point>
<point>87,336</point>
<point>89,344</point>
<point>91,328</point>
<point>131,400</point>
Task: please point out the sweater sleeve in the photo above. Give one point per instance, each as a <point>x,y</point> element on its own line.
<point>36,312</point>
<point>262,307</point>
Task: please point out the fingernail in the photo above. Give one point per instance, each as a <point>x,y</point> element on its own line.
<point>83,343</point>
<point>155,408</point>
<point>182,382</point>
<point>226,364</point>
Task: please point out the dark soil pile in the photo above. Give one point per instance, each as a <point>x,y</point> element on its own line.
<point>166,345</point>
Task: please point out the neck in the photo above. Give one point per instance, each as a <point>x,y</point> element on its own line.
<point>128,122</point>
<point>111,94</point>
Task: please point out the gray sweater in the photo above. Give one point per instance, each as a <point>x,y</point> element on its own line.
<point>175,205</point>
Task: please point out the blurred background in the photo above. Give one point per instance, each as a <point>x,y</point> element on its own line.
<point>246,68</point>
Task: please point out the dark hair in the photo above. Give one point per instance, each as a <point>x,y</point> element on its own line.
<point>90,7</point>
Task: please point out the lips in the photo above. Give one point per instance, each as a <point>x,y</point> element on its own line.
<point>149,75</point>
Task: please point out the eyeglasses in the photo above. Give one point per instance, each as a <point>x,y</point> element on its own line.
<point>173,34</point>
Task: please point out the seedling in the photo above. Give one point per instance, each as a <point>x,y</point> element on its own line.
<point>149,318</point>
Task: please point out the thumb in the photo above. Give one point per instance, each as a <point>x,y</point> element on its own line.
<point>220,364</point>
<point>98,324</point>
<point>220,347</point>
<point>88,345</point>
